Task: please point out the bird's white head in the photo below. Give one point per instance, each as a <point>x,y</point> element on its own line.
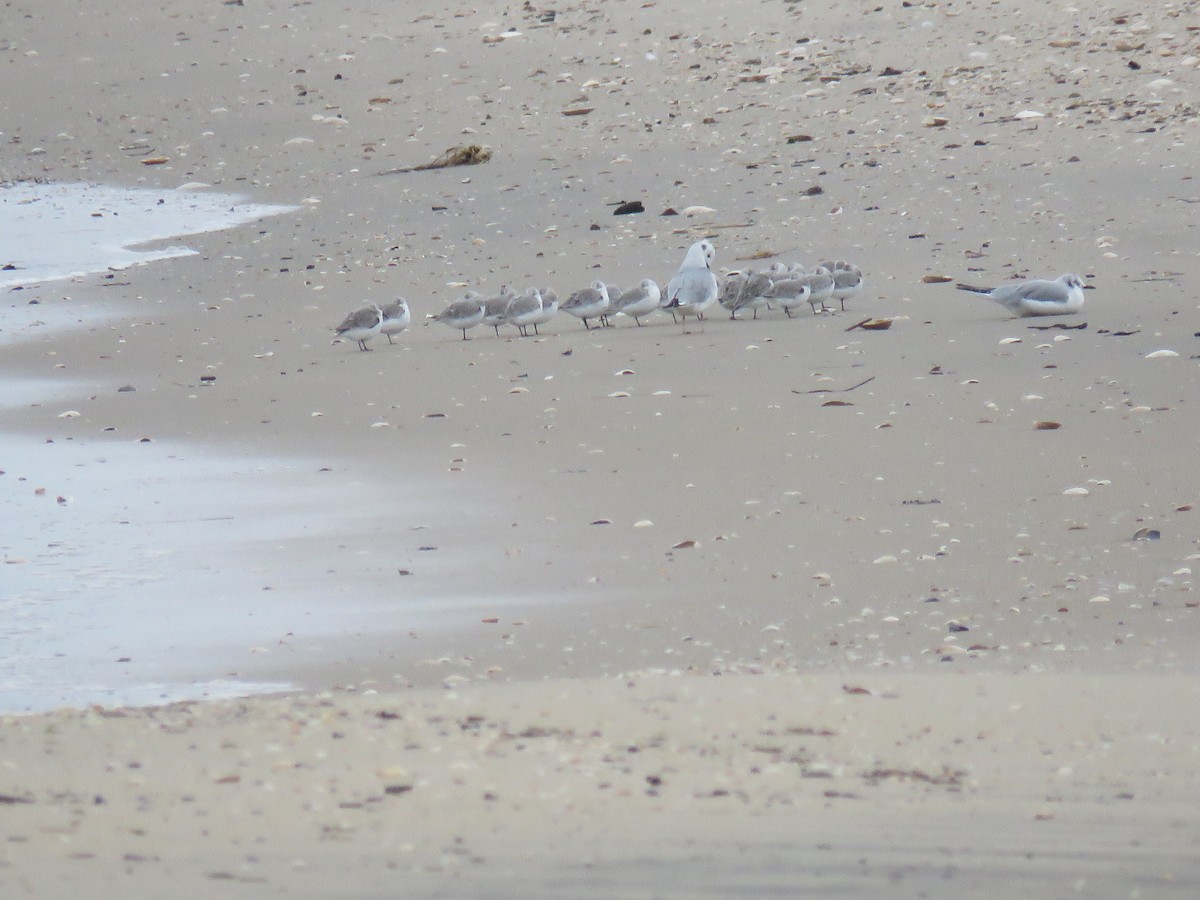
<point>701,253</point>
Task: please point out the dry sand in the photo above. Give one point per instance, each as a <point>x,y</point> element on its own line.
<point>556,729</point>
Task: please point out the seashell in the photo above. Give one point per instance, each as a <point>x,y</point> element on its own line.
<point>1161,354</point>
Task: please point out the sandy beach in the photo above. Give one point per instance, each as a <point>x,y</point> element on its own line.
<point>761,607</point>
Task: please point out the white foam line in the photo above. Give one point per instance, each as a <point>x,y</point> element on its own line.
<point>64,230</point>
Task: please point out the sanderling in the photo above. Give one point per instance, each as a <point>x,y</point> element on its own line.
<point>462,314</point>
<point>731,290</point>
<point>847,280</point>
<point>639,301</point>
<point>789,291</point>
<point>693,289</point>
<point>1039,297</point>
<point>549,308</point>
<point>820,286</point>
<point>588,303</point>
<point>524,310</point>
<point>361,325</point>
<point>494,308</point>
<point>396,317</point>
<point>757,292</point>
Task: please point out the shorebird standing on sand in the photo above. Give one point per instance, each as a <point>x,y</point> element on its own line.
<point>693,289</point>
<point>396,317</point>
<point>462,314</point>
<point>361,325</point>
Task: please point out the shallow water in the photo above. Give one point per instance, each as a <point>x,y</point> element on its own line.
<point>142,573</point>
<point>139,573</point>
<point>61,230</point>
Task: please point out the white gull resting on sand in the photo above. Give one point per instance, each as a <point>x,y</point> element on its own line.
<point>1039,297</point>
<point>396,317</point>
<point>361,325</point>
<point>693,289</point>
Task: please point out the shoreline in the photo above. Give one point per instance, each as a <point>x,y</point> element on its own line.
<point>690,551</point>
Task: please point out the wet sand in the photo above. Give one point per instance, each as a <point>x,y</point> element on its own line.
<point>550,548</point>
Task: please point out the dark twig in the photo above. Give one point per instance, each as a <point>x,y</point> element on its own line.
<point>836,390</point>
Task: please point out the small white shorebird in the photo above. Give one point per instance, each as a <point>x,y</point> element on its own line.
<point>693,289</point>
<point>731,291</point>
<point>462,314</point>
<point>495,308</point>
<point>639,301</point>
<point>361,325</point>
<point>523,310</point>
<point>847,280</point>
<point>396,317</point>
<point>588,303</point>
<point>1038,297</point>
<point>820,286</point>
<point>614,291</point>
<point>548,311</point>
<point>757,293</point>
<point>790,291</point>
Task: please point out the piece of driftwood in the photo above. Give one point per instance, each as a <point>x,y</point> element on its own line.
<point>465,155</point>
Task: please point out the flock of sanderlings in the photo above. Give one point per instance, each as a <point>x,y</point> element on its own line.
<point>691,293</point>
